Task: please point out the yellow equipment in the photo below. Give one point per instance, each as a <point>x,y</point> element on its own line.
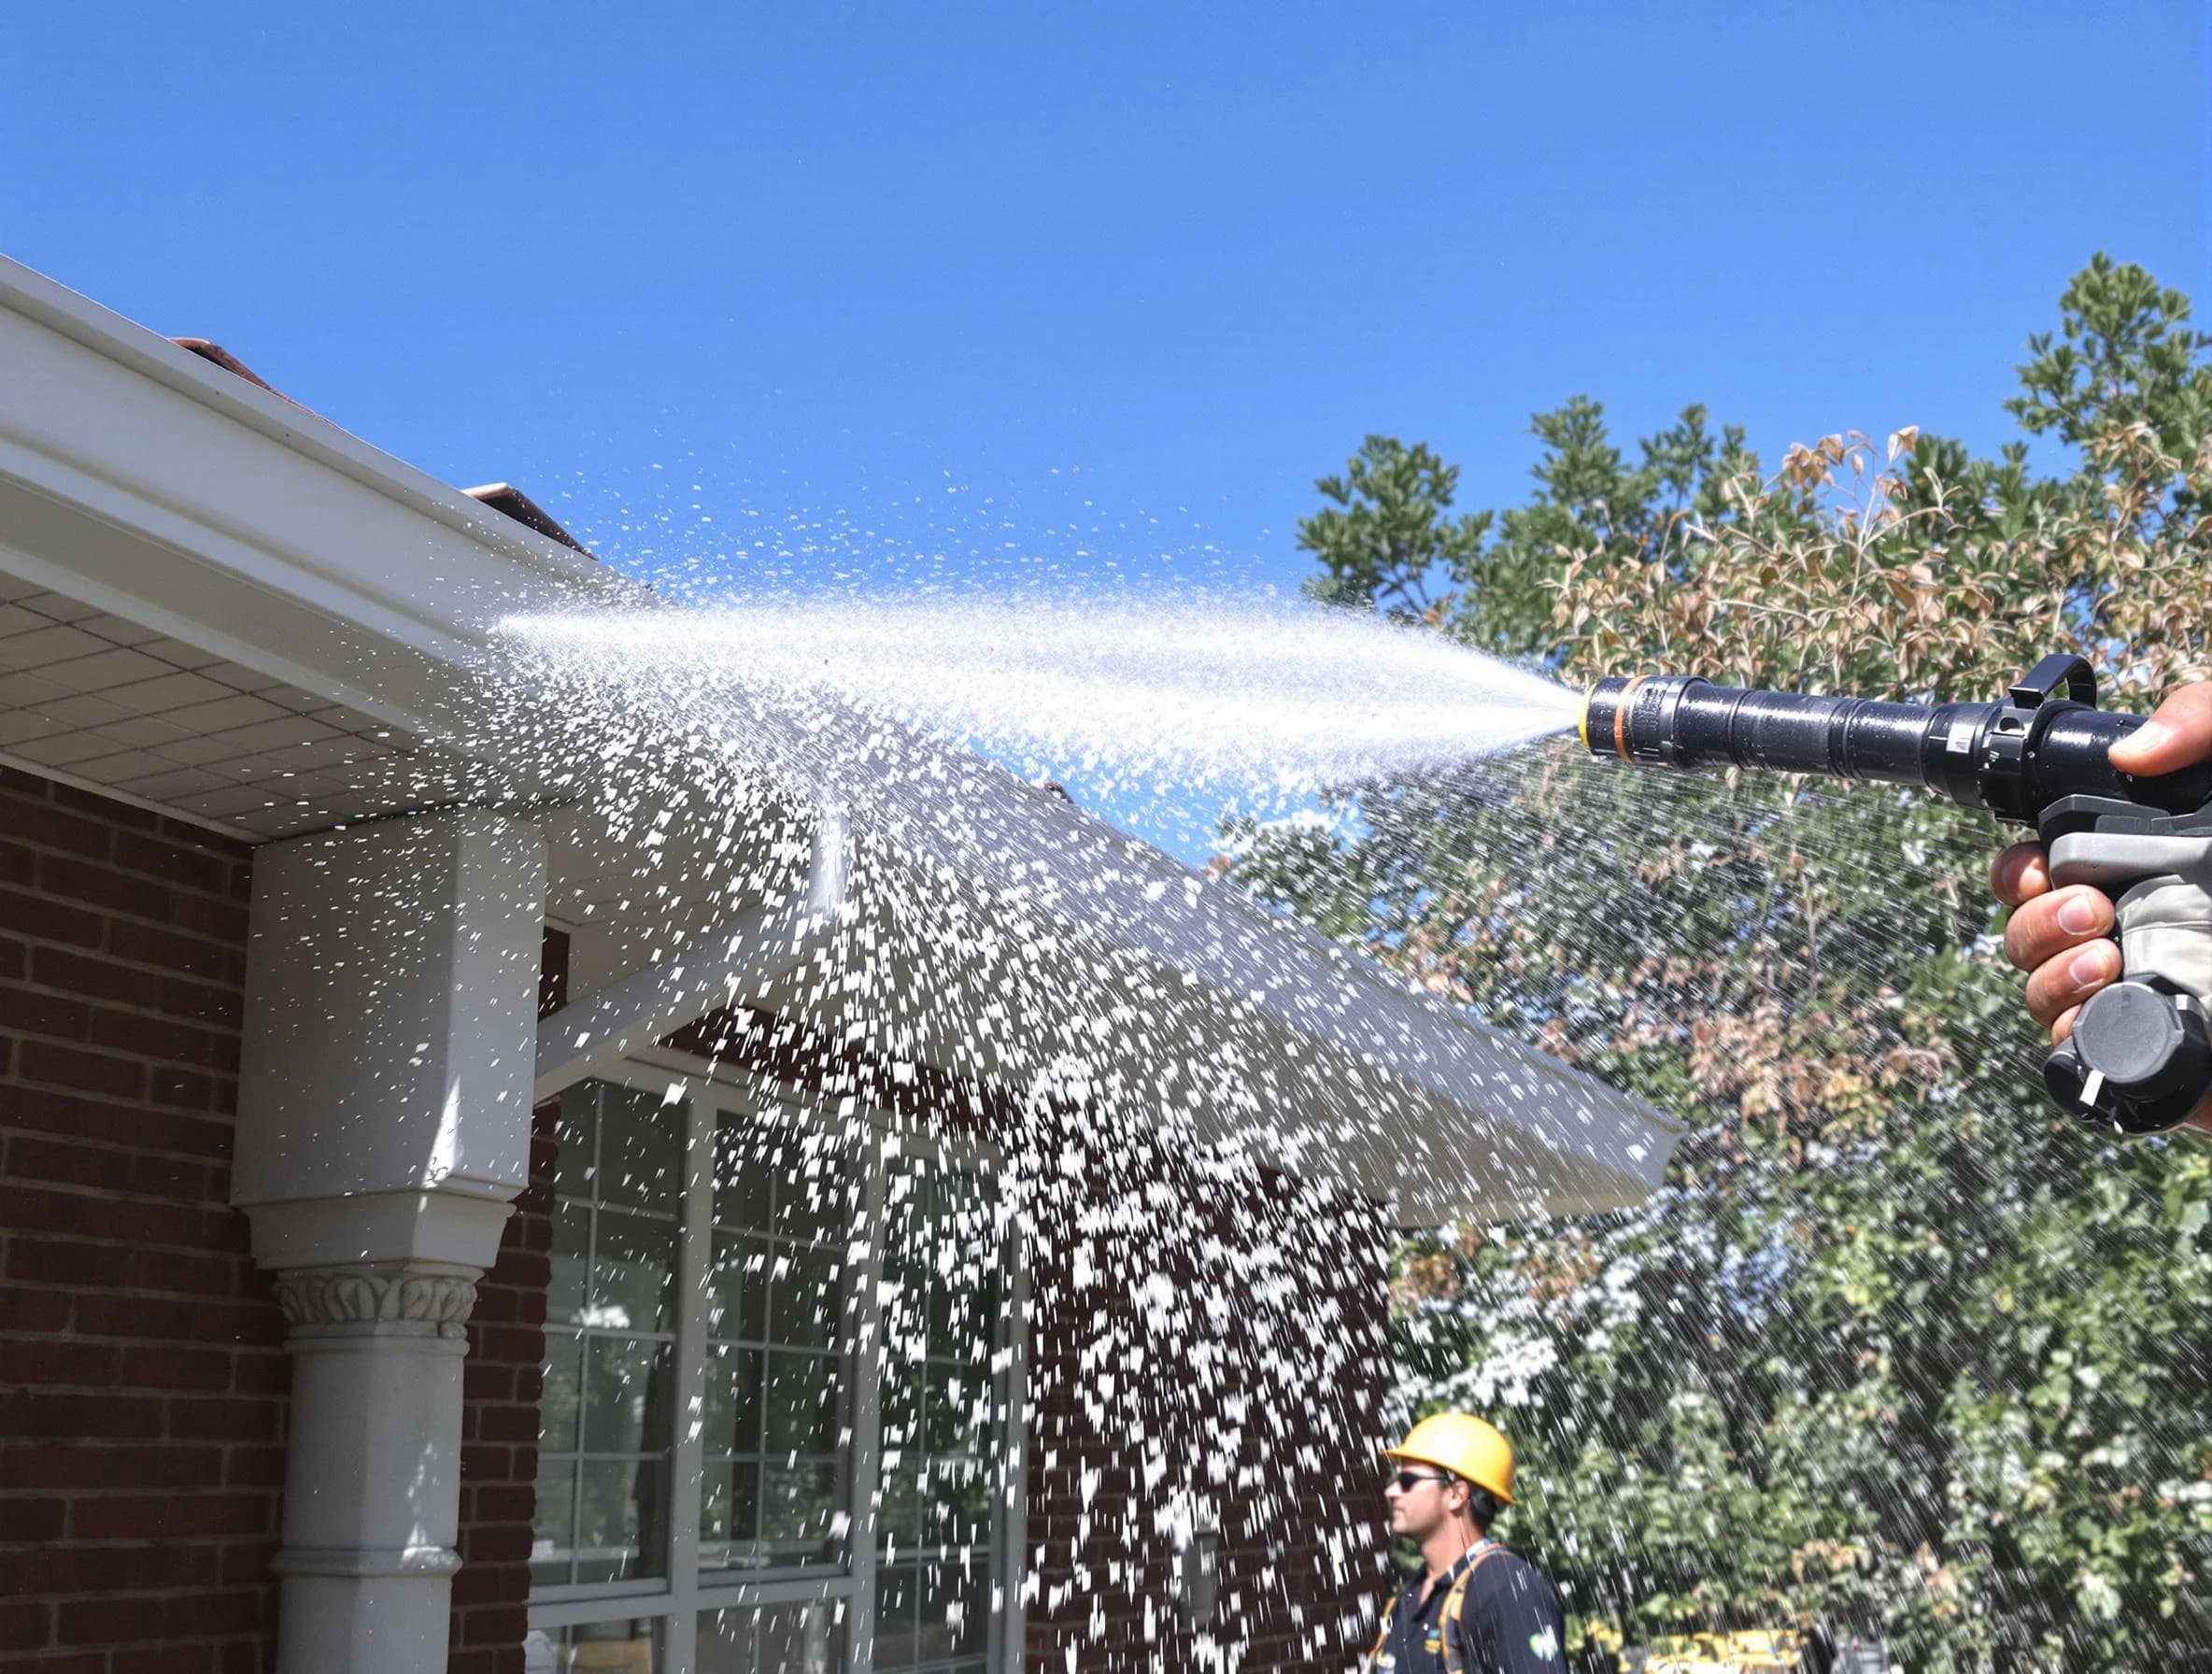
<point>1465,1446</point>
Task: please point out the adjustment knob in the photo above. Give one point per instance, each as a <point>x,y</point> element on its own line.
<point>2139,1057</point>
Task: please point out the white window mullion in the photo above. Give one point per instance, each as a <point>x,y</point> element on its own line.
<point>1011,1548</point>
<point>694,1263</point>
<point>865,1253</point>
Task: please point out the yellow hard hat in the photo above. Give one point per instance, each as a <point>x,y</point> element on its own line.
<point>1465,1446</point>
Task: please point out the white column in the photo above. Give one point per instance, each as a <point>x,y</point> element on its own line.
<point>383,1130</point>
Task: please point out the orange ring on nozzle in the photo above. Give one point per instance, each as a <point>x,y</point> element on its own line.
<point>1620,717</point>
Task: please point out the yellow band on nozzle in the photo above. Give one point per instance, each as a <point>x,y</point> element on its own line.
<point>1583,723</point>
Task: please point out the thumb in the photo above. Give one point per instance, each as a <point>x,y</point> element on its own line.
<point>2178,734</point>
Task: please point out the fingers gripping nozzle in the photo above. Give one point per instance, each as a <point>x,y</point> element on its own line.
<point>2139,1058</point>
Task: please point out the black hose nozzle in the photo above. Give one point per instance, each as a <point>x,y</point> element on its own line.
<point>2139,1060</point>
<point>2045,741</point>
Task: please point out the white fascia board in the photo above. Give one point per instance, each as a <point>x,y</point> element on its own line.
<point>143,479</point>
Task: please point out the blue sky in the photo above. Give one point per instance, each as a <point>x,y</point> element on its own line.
<point>1020,292</point>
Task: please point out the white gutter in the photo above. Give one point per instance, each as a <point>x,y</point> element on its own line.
<point>736,960</point>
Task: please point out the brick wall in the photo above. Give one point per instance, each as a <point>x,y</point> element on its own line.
<point>142,1377</point>
<point>1276,1438</point>
<point>499,1385</point>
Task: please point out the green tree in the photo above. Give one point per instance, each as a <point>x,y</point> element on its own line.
<point>1896,1347</point>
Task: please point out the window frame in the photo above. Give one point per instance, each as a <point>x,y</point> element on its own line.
<point>711,1091</point>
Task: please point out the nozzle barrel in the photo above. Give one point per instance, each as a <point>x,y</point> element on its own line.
<point>1681,720</point>
<point>2011,758</point>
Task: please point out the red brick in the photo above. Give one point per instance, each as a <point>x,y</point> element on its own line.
<point>254,1466</point>
<point>164,1516</point>
<point>30,1158</point>
<point>260,1374</point>
<point>67,1261</point>
<point>107,887</point>
<point>195,865</point>
<point>208,1227</point>
<point>155,1038</point>
<point>32,1013</point>
<point>183,1089</point>
<point>59,1360</point>
<point>45,920</point>
<point>92,975</point>
<point>169,1658</point>
<point>37,1413</point>
<point>63,1569</point>
<point>15,959</point>
<point>104,1464</point>
<point>85,1072</point>
<point>34,1519</point>
<point>25,1626</point>
<point>171,1367</point>
<point>40,823</point>
<point>175,1177</point>
<point>225,920</point>
<point>138,1316</point>
<point>221,1004</point>
<point>103,808</point>
<point>246,1563</point>
<point>188,955</point>
<point>37,1209</point>
<point>229,1419</point>
<point>29,1308</point>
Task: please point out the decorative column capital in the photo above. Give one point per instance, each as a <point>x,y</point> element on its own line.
<point>377,1297</point>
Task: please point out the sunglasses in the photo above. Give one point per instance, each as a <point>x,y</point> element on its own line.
<point>1407,1481</point>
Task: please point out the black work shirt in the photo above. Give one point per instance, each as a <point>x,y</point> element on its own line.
<point>1509,1621</point>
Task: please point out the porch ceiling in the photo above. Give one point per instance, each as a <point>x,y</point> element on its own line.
<point>126,708</point>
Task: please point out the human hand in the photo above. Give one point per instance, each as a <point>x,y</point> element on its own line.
<point>2062,938</point>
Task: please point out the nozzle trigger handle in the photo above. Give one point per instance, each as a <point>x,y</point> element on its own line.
<point>2139,1058</point>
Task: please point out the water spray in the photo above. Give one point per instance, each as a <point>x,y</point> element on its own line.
<point>2140,1056</point>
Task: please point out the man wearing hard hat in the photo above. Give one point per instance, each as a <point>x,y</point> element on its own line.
<point>1476,1609</point>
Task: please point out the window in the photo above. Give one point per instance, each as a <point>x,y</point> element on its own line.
<point>769,1441</point>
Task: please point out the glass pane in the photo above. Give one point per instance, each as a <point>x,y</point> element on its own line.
<point>790,1638</point>
<point>811,1199</point>
<point>959,1419</point>
<point>897,1517</point>
<point>801,1638</point>
<point>552,1528</point>
<point>622,1532</point>
<point>629,1384</point>
<point>732,1400</point>
<point>730,1515</point>
<point>955,1610</point>
<point>578,1135</point>
<point>806,1298</point>
<point>737,1303</point>
<point>611,1647</point>
<point>895,1599</point>
<point>572,1249</point>
<point>561,1401</point>
<point>956,1495</point>
<point>803,1514</point>
<point>741,1172</point>
<point>641,1150</point>
<point>900,1414</point>
<point>805,1404</point>
<point>634,1277</point>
